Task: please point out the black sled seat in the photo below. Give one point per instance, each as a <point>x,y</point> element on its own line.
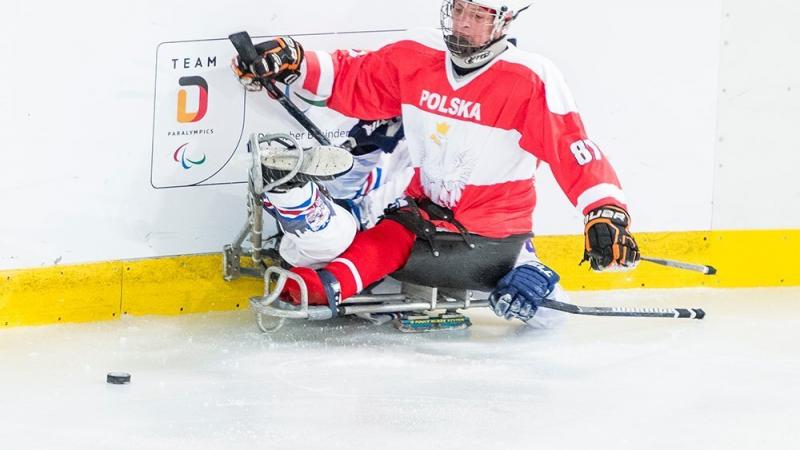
<point>458,266</point>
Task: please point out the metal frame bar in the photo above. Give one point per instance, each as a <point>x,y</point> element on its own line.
<point>414,298</point>
<point>254,225</point>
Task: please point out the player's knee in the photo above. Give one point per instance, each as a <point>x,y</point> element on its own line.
<point>315,248</point>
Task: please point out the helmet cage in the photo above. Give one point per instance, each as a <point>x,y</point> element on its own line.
<point>464,47</point>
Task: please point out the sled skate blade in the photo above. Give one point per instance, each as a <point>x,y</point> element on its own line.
<point>422,323</point>
<point>269,324</point>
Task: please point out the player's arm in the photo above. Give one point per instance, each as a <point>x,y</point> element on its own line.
<point>555,134</point>
<point>356,84</point>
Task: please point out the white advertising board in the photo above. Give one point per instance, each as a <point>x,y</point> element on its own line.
<point>116,128</point>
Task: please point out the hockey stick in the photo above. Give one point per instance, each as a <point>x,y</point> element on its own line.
<point>247,51</point>
<point>674,313</point>
<point>706,270</point>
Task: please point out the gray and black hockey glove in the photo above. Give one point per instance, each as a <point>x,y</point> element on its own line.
<point>520,293</point>
<point>609,244</point>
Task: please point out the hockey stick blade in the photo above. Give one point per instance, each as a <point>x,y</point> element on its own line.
<point>704,269</point>
<point>671,313</point>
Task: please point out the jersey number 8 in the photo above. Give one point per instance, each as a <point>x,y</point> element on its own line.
<point>585,151</point>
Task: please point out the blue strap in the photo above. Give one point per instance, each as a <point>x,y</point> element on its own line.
<point>333,290</point>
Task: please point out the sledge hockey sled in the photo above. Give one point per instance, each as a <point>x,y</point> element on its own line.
<point>428,298</point>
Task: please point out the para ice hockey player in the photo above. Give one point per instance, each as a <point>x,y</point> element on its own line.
<point>479,115</point>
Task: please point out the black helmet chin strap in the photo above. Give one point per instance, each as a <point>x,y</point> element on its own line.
<point>516,13</point>
<point>466,64</point>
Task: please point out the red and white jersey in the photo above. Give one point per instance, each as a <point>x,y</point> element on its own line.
<point>474,141</point>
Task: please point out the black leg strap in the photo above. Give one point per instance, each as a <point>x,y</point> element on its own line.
<point>441,213</point>
<point>412,219</point>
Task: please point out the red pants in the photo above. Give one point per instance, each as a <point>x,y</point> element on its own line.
<point>374,254</point>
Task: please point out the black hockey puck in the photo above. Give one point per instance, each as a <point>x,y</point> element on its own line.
<point>118,378</point>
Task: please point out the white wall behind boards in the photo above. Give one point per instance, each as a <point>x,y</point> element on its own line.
<point>644,75</point>
<point>77,118</point>
<point>758,154</point>
<point>78,87</point>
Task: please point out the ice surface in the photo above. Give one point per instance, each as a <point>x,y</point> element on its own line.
<point>212,381</point>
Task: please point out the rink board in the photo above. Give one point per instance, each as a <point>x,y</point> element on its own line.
<point>188,284</point>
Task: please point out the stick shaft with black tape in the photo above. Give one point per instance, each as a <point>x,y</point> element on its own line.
<point>707,270</point>
<point>247,52</point>
<point>672,313</point>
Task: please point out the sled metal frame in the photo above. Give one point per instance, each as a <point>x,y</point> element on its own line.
<point>254,226</point>
<point>270,311</point>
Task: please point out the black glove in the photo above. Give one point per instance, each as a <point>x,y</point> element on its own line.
<point>608,242</point>
<point>280,60</point>
<point>367,136</point>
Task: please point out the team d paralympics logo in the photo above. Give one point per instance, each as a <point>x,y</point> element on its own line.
<point>198,115</point>
<point>185,116</point>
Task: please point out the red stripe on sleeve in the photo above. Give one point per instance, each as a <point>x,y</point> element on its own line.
<point>311,82</point>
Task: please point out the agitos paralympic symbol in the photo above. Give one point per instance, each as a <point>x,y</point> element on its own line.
<point>186,163</point>
<point>202,107</point>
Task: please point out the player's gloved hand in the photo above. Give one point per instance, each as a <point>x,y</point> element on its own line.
<point>245,76</point>
<point>520,293</point>
<point>280,60</point>
<point>608,242</point>
<point>370,135</point>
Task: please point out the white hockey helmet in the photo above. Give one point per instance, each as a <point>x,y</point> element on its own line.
<point>473,28</point>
